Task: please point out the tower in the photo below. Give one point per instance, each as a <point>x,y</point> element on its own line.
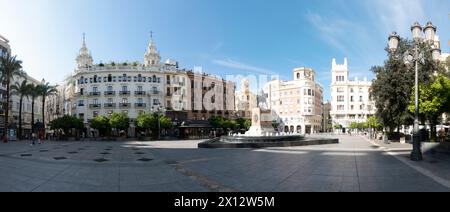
<point>152,57</point>
<point>339,71</point>
<point>84,58</point>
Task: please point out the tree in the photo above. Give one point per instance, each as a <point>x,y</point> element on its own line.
<point>101,123</point>
<point>45,90</point>
<point>21,90</point>
<point>391,90</point>
<point>10,67</point>
<point>243,124</point>
<point>120,122</point>
<point>434,100</point>
<point>354,125</point>
<point>374,123</point>
<point>33,94</point>
<point>338,127</point>
<point>150,122</point>
<point>66,123</point>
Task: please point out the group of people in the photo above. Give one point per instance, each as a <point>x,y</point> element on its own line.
<point>34,138</point>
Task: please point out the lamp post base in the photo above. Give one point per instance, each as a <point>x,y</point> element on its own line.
<point>416,154</point>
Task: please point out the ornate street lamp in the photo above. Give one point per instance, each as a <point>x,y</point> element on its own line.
<point>415,57</point>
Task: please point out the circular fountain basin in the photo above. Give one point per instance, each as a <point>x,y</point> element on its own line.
<point>264,141</point>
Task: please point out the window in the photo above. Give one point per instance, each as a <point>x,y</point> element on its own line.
<point>114,79</point>
<point>95,101</point>
<point>309,92</point>
<point>156,102</point>
<point>139,88</point>
<point>124,88</point>
<point>154,78</point>
<point>140,101</point>
<point>360,90</point>
<point>110,100</point>
<point>360,99</point>
<point>110,78</point>
<point>361,107</point>
<point>340,107</point>
<point>110,89</point>
<point>340,98</point>
<point>352,107</point>
<point>124,101</point>
<point>81,103</point>
<point>340,90</point>
<point>352,99</point>
<point>95,114</point>
<point>352,90</point>
<point>95,89</point>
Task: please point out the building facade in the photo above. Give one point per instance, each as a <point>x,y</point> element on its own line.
<point>4,49</point>
<point>327,123</point>
<point>134,88</point>
<point>350,99</point>
<point>246,101</point>
<point>296,105</point>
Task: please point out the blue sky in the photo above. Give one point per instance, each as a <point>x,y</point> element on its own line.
<point>222,36</point>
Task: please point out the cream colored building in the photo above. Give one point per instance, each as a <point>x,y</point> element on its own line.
<point>296,105</point>
<point>350,99</point>
<point>245,100</point>
<point>13,119</point>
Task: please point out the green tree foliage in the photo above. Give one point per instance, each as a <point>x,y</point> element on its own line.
<point>119,121</point>
<point>374,123</point>
<point>226,124</point>
<point>22,90</point>
<point>101,123</point>
<point>338,127</point>
<point>434,100</point>
<point>150,122</point>
<point>354,125</point>
<point>243,124</point>
<point>66,123</point>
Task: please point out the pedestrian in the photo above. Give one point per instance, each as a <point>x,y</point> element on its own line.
<point>442,135</point>
<point>33,139</point>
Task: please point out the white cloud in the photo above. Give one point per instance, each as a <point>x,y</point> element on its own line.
<point>241,66</point>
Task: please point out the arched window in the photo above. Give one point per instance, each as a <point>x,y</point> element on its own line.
<point>154,78</point>
<point>298,75</point>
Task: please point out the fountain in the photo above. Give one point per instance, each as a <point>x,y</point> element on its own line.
<point>262,134</point>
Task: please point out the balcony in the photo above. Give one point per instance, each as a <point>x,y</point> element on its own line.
<point>94,94</point>
<point>124,93</point>
<point>124,105</point>
<point>110,105</point>
<point>110,93</point>
<point>95,106</point>
<point>140,105</point>
<point>80,105</point>
<point>139,93</point>
<point>156,92</point>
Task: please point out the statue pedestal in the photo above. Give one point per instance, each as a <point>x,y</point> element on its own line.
<point>261,123</point>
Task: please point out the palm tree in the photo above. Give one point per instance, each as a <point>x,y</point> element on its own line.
<point>34,94</point>
<point>22,90</point>
<point>45,90</point>
<point>10,67</point>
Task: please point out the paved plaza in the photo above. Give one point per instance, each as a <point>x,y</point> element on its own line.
<point>354,165</point>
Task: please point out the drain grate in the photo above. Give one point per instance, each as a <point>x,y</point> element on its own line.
<point>60,158</point>
<point>72,152</point>
<point>105,153</point>
<point>139,153</point>
<point>100,160</point>
<point>26,155</point>
<point>145,159</point>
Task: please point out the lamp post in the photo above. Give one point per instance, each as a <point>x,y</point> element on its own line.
<point>158,110</point>
<point>416,56</point>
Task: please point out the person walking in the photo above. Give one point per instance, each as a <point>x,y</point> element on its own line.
<point>33,139</point>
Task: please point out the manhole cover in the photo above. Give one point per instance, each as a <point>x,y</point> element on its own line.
<point>139,153</point>
<point>72,152</point>
<point>43,151</point>
<point>59,158</point>
<point>145,159</point>
<point>105,153</point>
<point>26,155</point>
<point>100,160</point>
<point>108,149</point>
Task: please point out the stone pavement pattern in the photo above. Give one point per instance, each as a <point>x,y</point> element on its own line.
<point>178,166</point>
